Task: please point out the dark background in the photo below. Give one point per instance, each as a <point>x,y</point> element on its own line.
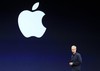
<point>67,22</point>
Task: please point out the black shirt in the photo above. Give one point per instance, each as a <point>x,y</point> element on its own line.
<point>77,60</point>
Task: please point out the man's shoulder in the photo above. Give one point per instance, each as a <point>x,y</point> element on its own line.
<point>78,54</point>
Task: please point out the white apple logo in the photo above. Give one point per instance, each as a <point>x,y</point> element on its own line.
<point>30,23</point>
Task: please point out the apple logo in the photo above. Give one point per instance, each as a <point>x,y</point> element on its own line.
<point>30,22</point>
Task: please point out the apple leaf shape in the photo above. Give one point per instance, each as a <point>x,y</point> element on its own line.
<point>35,6</point>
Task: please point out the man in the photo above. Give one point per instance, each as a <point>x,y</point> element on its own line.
<point>76,59</point>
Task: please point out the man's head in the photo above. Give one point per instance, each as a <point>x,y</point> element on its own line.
<point>73,49</point>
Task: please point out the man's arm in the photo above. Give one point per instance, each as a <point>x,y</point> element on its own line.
<point>78,61</point>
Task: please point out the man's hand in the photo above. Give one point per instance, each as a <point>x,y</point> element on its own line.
<point>70,63</point>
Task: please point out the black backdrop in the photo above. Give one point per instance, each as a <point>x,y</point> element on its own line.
<point>67,23</point>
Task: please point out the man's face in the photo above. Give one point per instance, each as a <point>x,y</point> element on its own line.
<point>73,49</point>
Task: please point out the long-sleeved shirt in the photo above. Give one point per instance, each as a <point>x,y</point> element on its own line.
<point>77,60</point>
